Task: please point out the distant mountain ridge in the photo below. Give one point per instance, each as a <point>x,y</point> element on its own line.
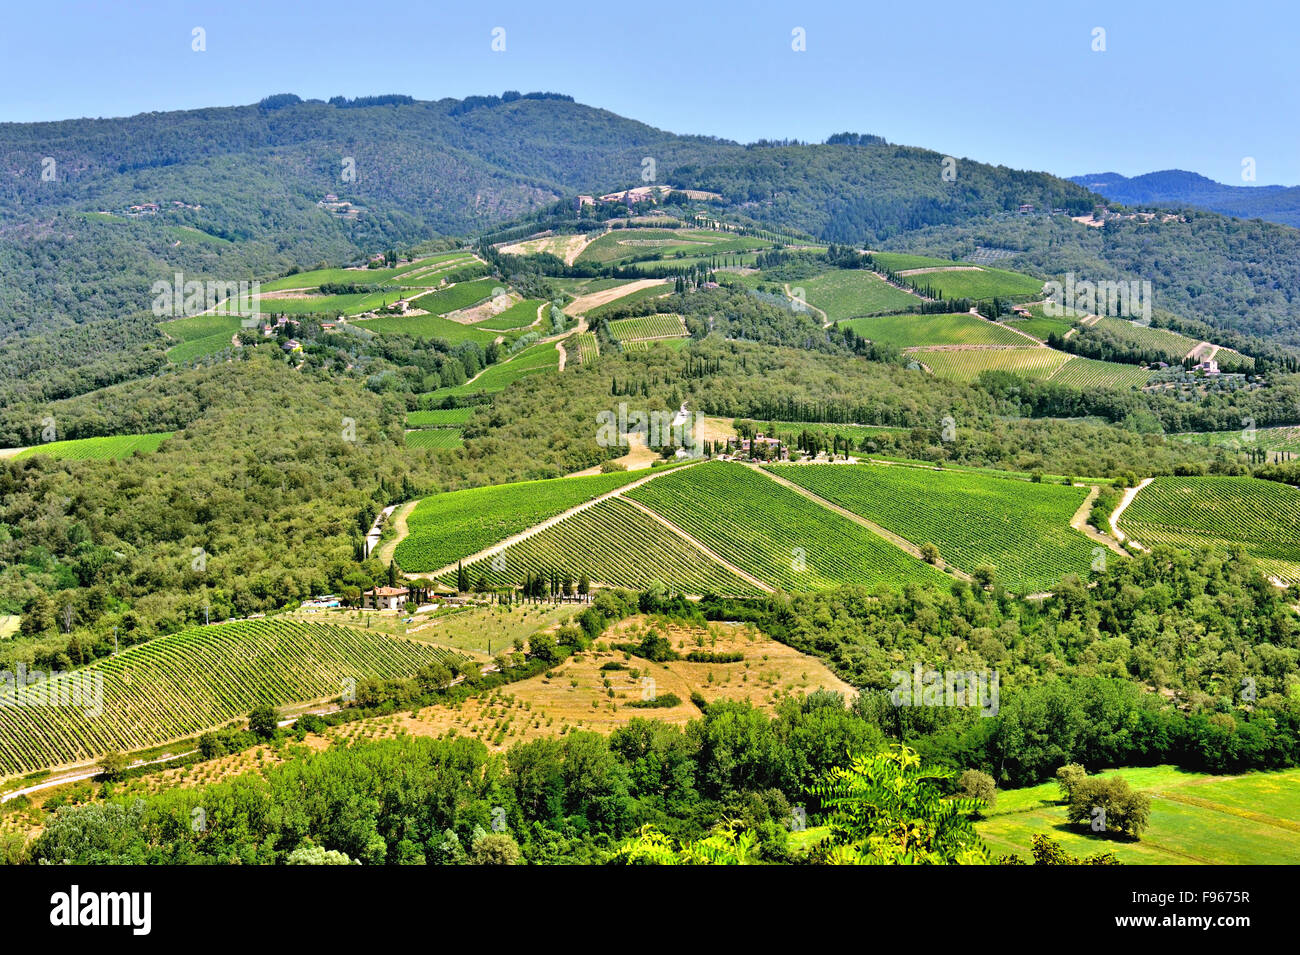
<point>1178,187</point>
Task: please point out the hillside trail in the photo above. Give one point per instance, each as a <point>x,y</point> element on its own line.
<point>398,520</point>
<point>564,355</point>
<point>1038,342</point>
<point>538,528</point>
<point>899,542</point>
<point>701,547</point>
<point>585,303</point>
<point>826,320</point>
<point>1080,522</point>
<point>1124,502</point>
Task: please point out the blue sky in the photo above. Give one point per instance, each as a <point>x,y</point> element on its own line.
<point>1191,85</point>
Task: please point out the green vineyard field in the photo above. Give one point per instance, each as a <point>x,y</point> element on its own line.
<point>440,417</point>
<point>774,533</point>
<point>435,438</point>
<point>1260,517</point>
<point>615,543</point>
<point>646,327</point>
<point>458,296</point>
<point>908,331</point>
<point>1021,529</point>
<point>968,365</point>
<point>179,685</point>
<point>447,527</point>
<point>117,446</point>
<point>1087,373</point>
<point>519,315</point>
<point>847,293</point>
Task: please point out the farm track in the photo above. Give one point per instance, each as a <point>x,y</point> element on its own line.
<point>699,545</point>
<point>900,542</point>
<point>1125,501</point>
<point>1080,523</point>
<point>826,319</point>
<point>585,303</point>
<point>536,528</point>
<point>398,520</point>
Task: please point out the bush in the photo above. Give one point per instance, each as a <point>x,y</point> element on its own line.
<point>1067,777</point>
<point>1108,804</point>
<point>978,785</point>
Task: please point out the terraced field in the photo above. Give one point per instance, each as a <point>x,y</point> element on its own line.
<point>968,365</point>
<point>1021,529</point>
<point>1260,517</point>
<point>435,438</point>
<point>848,293</point>
<point>117,446</point>
<point>646,328</point>
<point>448,527</point>
<point>179,685</point>
<point>909,331</point>
<point>774,533</point>
<point>615,543</point>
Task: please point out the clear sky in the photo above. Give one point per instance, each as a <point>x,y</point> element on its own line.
<point>1192,84</point>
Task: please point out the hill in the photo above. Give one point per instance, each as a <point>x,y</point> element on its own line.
<point>1172,188</point>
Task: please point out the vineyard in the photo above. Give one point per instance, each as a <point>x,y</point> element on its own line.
<point>458,296</point>
<point>646,327</point>
<point>774,533</point>
<point>970,364</point>
<point>620,244</point>
<point>530,360</point>
<point>908,331</point>
<point>846,293</point>
<point>615,543</point>
<point>1088,373</point>
<point>981,283</point>
<point>519,315</point>
<point>1260,517</point>
<point>1021,529</point>
<point>1284,439</point>
<point>435,438</point>
<point>117,446</point>
<point>1170,345</point>
<point>448,527</point>
<point>588,347</point>
<point>429,326</point>
<point>440,417</point>
<point>179,685</point>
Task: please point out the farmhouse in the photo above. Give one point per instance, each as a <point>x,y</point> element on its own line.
<point>385,598</point>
